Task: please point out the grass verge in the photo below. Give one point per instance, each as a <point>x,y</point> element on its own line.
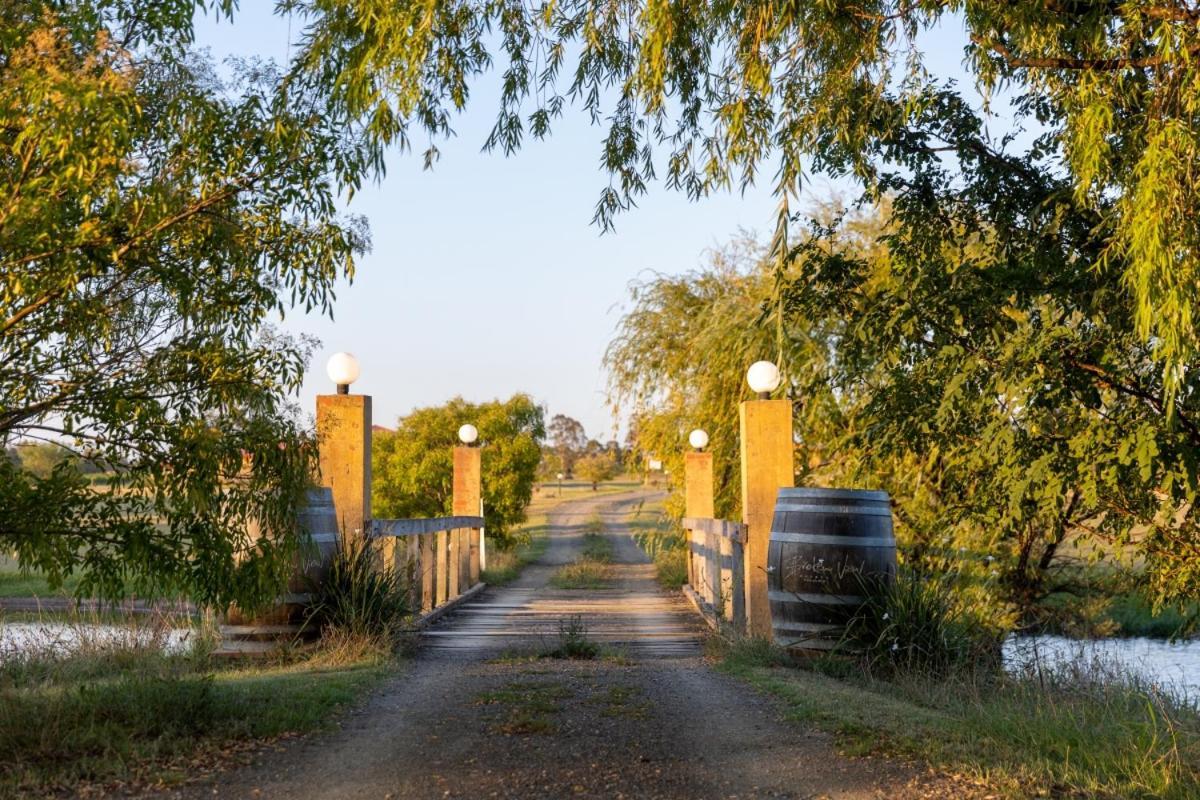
<point>1084,733</point>
<point>662,541</point>
<point>591,569</point>
<point>504,566</point>
<point>121,713</point>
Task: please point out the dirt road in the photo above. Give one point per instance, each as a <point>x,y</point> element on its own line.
<point>474,715</point>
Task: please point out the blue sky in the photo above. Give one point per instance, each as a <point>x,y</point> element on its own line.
<point>487,276</point>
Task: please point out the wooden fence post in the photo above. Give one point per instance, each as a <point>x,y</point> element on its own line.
<point>467,491</point>
<point>766,437</point>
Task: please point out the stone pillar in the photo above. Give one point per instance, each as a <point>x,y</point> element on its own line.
<point>766,439</point>
<point>344,442</point>
<point>697,502</point>
<point>467,489</point>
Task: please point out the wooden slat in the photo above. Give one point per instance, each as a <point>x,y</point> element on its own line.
<point>453,564</point>
<point>413,553</point>
<point>418,527</point>
<point>428,566</point>
<point>725,570</point>
<point>442,561</point>
<point>738,585</point>
<point>718,527</point>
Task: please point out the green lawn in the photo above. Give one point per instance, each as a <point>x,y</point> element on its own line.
<point>15,584</point>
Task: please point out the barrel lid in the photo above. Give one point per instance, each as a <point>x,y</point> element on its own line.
<point>814,493</point>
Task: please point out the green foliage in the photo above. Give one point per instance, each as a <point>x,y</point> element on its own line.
<point>413,467</point>
<point>573,641</point>
<point>704,96</point>
<point>952,346</point>
<point>655,372</point>
<point>361,598</point>
<point>156,216</point>
<point>567,440</point>
<point>917,624</point>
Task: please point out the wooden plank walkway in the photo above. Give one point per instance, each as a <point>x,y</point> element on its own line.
<point>634,617</point>
<point>637,624</point>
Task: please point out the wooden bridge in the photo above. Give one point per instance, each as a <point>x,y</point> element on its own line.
<point>488,708</point>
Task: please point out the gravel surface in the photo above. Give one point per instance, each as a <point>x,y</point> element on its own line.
<point>477,715</point>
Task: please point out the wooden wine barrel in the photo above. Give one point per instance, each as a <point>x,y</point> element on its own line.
<point>826,545</point>
<point>319,540</point>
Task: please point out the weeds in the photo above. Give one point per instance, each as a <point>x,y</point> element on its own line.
<point>591,570</point>
<point>665,543</point>
<point>581,574</point>
<point>1084,730</point>
<point>526,706</point>
<point>504,565</point>
<point>573,641</point>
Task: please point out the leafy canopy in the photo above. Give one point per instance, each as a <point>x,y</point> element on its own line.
<point>709,95</point>
<point>413,466</point>
<point>157,213</point>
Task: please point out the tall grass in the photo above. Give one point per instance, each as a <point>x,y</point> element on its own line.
<point>592,569</point>
<point>917,623</point>
<point>1086,730</point>
<point>361,599</point>
<point>85,702</point>
<point>665,543</point>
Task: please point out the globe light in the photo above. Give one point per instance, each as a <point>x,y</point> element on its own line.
<point>763,377</point>
<point>698,439</point>
<point>560,476</point>
<point>467,434</point>
<point>343,370</point>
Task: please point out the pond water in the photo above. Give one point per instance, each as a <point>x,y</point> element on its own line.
<point>1173,667</point>
<point>60,637</point>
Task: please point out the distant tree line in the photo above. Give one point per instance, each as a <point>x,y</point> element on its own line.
<point>569,451</point>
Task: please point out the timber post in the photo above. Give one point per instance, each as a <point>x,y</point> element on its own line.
<point>468,497</point>
<point>344,450</point>
<point>698,502</point>
<point>767,452</point>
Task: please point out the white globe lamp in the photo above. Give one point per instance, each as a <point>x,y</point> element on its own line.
<point>698,439</point>
<point>763,377</point>
<point>467,434</point>
<point>343,370</point>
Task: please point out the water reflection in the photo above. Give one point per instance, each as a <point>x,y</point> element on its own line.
<point>1174,667</point>
<point>60,638</point>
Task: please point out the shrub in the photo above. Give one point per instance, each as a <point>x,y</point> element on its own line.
<point>916,624</point>
<point>361,598</point>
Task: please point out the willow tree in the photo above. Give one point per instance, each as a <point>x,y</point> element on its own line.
<point>710,95</point>
<point>679,356</point>
<point>156,214</point>
<point>959,347</point>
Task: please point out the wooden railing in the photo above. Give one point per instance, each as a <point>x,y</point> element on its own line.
<point>441,552</point>
<point>716,568</point>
